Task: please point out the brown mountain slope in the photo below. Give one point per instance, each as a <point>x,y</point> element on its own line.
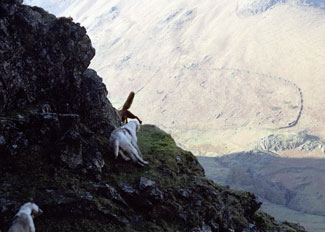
<point>186,61</point>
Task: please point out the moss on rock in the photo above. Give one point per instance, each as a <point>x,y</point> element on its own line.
<point>170,194</point>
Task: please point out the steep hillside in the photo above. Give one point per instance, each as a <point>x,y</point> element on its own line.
<point>55,122</point>
<point>225,73</point>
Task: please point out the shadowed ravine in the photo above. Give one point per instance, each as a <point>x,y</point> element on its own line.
<point>296,184</point>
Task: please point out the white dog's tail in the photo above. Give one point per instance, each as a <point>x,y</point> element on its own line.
<point>116,147</point>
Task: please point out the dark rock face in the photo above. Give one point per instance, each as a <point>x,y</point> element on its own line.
<point>48,97</point>
<point>44,60</point>
<point>55,122</point>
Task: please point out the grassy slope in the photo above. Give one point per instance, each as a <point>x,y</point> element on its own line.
<point>71,203</point>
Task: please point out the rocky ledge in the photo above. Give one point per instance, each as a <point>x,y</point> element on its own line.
<point>55,122</point>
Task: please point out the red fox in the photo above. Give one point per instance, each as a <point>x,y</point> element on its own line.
<point>125,113</point>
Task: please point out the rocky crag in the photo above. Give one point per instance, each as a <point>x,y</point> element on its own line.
<point>55,121</point>
<point>282,142</point>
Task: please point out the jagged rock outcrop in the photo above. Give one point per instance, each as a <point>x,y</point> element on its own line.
<point>55,122</point>
<point>44,62</point>
<point>282,142</point>
<point>48,96</point>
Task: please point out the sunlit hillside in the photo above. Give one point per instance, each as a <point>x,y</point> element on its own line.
<point>217,75</point>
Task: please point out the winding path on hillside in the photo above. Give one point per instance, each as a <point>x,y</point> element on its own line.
<point>195,67</point>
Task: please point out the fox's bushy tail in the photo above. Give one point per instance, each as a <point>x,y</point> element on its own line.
<point>128,102</point>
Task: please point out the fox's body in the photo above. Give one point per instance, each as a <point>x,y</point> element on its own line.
<point>125,113</point>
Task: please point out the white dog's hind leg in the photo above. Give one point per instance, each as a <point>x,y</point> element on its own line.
<point>134,144</point>
<point>143,162</point>
<point>138,155</point>
<point>132,152</point>
<point>123,155</point>
<point>116,147</point>
<point>139,152</point>
<point>134,159</point>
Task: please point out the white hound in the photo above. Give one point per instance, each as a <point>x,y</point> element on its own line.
<point>124,141</point>
<point>23,221</point>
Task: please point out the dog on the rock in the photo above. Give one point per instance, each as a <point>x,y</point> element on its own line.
<point>23,221</point>
<point>124,142</point>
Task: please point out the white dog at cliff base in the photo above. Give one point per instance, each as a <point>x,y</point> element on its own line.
<point>124,141</point>
<point>23,221</point>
